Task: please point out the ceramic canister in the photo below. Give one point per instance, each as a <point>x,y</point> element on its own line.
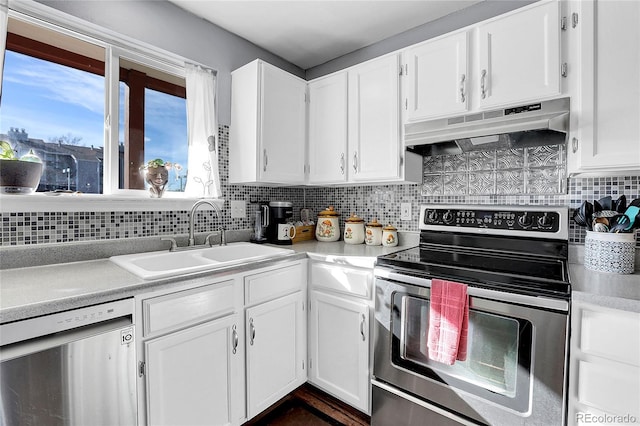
<point>354,230</point>
<point>328,226</point>
<point>389,236</point>
<point>373,233</point>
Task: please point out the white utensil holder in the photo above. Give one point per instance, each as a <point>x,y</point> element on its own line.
<point>610,252</point>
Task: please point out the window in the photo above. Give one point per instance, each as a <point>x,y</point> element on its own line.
<point>59,90</point>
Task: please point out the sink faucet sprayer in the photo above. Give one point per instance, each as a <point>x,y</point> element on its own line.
<point>192,221</point>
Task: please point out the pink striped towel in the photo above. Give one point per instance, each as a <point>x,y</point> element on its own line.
<point>448,321</point>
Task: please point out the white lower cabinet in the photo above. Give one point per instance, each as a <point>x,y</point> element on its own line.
<point>191,357</point>
<point>192,375</point>
<point>339,348</point>
<point>604,375</point>
<point>339,337</point>
<point>275,335</point>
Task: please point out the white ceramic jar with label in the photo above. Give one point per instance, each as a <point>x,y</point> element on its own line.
<point>373,233</point>
<point>354,230</point>
<point>389,236</point>
<point>328,226</point>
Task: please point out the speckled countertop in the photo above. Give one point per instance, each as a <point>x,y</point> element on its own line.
<point>617,291</point>
<point>29,291</point>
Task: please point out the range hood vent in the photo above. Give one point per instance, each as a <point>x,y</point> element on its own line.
<point>537,124</point>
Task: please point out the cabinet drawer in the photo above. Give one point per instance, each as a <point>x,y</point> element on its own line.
<point>612,334</point>
<point>273,284</point>
<point>345,280</point>
<point>182,308</point>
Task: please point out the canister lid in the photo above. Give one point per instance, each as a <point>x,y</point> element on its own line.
<point>354,218</point>
<point>374,223</point>
<point>329,212</point>
<point>389,227</point>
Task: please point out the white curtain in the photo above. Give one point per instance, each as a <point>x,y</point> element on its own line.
<point>4,16</point>
<point>203,177</point>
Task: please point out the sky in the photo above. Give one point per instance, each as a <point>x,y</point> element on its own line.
<point>50,100</point>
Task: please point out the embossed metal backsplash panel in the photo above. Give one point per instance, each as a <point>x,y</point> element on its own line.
<point>538,170</point>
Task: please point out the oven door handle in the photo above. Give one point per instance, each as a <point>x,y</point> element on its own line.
<point>502,296</point>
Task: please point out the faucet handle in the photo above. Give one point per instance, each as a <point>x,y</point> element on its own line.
<point>223,237</point>
<point>174,245</point>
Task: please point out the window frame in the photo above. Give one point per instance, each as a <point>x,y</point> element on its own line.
<point>116,46</point>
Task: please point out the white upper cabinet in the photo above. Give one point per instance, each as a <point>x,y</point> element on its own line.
<point>374,132</point>
<point>519,56</point>
<point>354,127</point>
<point>606,101</point>
<point>436,77</point>
<point>328,129</point>
<point>268,126</point>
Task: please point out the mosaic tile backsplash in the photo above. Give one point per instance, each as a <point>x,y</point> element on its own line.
<point>381,202</point>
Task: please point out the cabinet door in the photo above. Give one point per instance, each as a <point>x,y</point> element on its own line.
<point>519,56</point>
<point>339,346</point>
<point>608,136</point>
<point>283,126</point>
<point>435,77</point>
<point>604,376</point>
<point>328,129</point>
<point>276,350</point>
<point>194,376</point>
<point>374,142</point>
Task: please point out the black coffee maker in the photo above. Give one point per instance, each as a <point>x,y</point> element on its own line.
<point>280,212</point>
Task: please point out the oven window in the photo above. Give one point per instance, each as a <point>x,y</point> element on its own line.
<point>498,360</point>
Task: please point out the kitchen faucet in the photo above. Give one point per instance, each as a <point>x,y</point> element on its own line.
<point>192,221</point>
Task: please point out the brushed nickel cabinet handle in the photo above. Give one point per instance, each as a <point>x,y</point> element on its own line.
<point>362,328</point>
<point>462,96</point>
<point>252,332</point>
<point>483,89</point>
<point>265,160</point>
<point>355,161</point>
<point>342,163</point>
<point>235,339</point>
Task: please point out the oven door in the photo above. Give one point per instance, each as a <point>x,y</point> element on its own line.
<point>516,354</point>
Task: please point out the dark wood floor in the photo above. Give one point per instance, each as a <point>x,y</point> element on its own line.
<point>310,406</point>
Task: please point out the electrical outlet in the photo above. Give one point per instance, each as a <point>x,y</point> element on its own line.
<point>238,209</point>
<point>405,211</point>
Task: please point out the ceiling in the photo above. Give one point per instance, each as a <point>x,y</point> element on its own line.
<point>309,33</point>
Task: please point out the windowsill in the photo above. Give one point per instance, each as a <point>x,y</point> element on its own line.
<point>93,203</point>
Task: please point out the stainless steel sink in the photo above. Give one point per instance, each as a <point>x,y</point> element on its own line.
<point>161,264</point>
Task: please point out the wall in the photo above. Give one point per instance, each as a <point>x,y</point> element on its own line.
<point>164,25</point>
<point>381,202</point>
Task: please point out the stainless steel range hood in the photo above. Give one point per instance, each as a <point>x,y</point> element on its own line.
<point>533,124</point>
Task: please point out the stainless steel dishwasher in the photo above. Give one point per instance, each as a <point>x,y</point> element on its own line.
<point>70,368</point>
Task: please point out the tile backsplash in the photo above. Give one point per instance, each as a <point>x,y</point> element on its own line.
<point>381,202</point>
<point>533,170</point>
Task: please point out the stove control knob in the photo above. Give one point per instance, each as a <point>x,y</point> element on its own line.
<point>545,221</point>
<point>525,220</point>
<point>447,217</point>
<point>432,215</point>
